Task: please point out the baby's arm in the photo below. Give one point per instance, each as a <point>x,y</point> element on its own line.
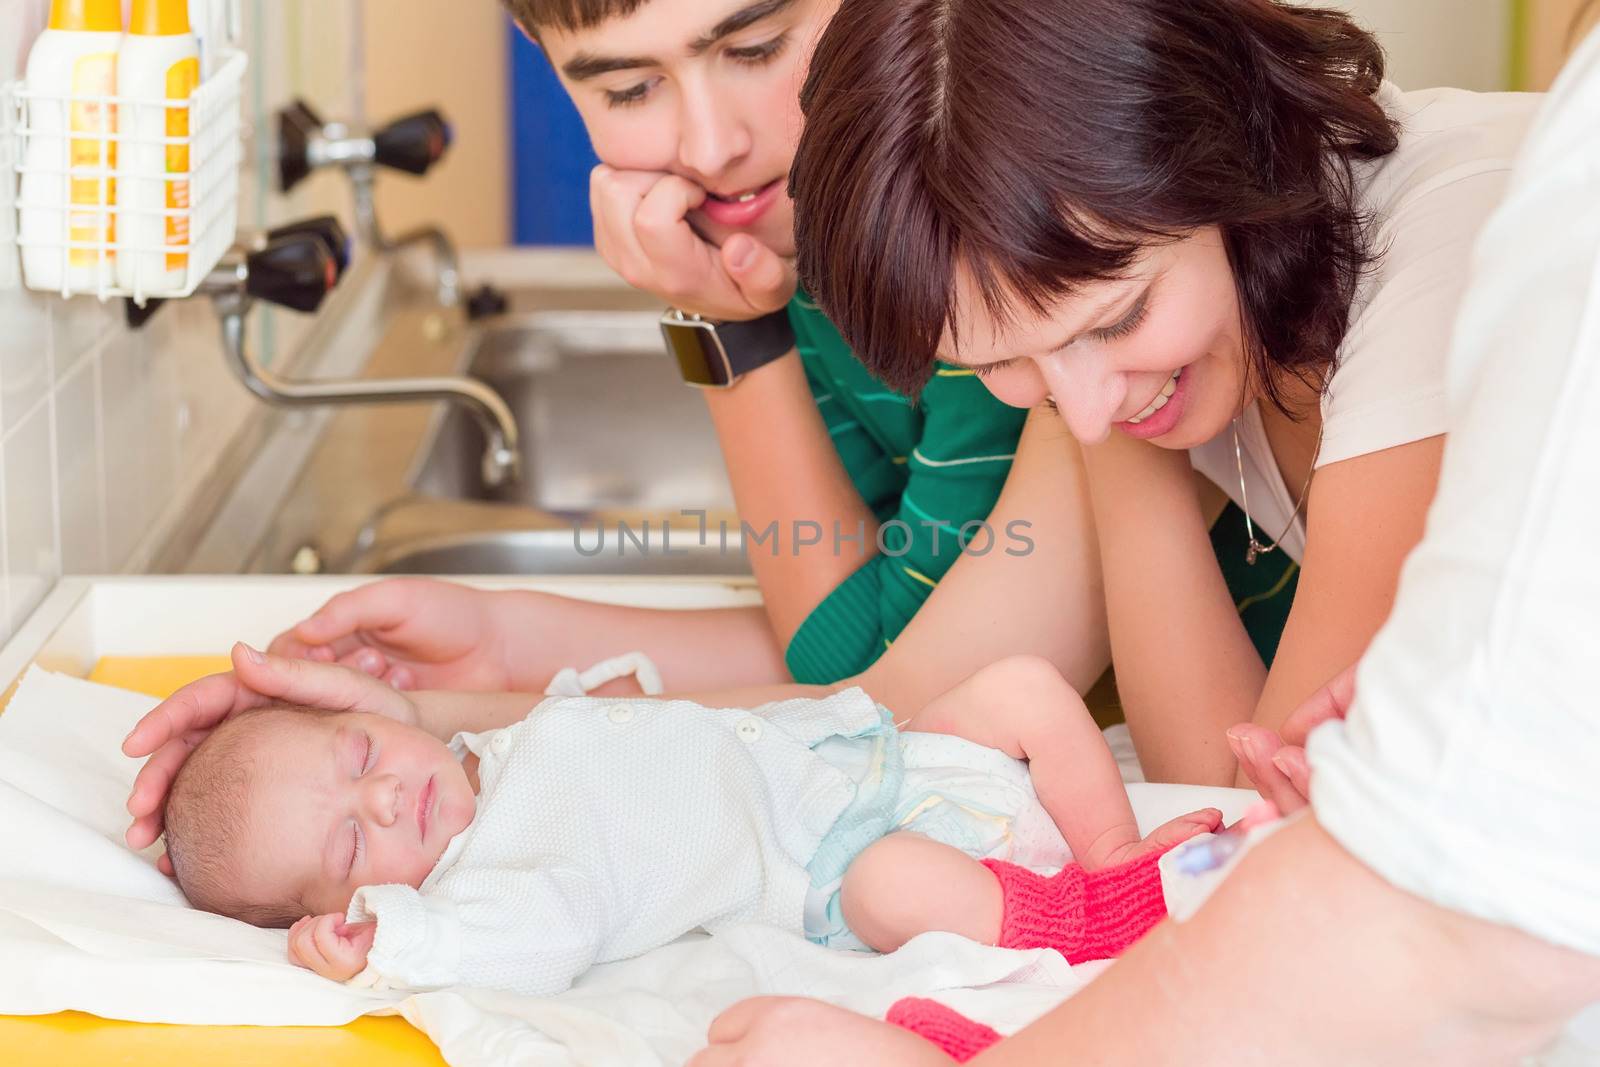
<point>1026,709</point>
<point>330,946</point>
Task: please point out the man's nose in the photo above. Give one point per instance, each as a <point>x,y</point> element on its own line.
<point>712,137</point>
<point>1086,392</point>
<point>380,798</point>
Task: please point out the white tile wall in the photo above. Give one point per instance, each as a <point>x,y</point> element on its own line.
<point>105,432</point>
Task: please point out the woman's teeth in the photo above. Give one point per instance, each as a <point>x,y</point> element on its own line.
<point>1161,398</point>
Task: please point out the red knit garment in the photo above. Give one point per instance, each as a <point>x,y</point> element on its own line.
<point>1084,915</point>
<point>958,1036</point>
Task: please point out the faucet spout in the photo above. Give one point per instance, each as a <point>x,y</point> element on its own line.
<point>501,457</point>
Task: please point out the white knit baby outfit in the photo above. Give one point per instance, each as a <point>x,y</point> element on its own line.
<point>608,827</point>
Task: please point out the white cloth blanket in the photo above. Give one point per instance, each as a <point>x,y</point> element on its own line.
<point>87,925</point>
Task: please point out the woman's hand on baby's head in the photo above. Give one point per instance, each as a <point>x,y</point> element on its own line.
<point>331,947</point>
<point>176,726</point>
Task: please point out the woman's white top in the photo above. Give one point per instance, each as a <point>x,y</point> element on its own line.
<point>1428,201</point>
<point>608,827</point>
<point>1468,772</point>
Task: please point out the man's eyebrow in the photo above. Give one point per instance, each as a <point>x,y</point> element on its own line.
<point>744,17</point>
<point>587,65</point>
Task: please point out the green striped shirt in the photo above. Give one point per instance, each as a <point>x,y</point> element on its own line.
<point>925,469</point>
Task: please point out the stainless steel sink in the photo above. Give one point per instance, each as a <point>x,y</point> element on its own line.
<point>588,551</point>
<point>610,439</point>
<point>606,421</point>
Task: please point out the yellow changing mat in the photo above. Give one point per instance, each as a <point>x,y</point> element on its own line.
<point>72,1039</point>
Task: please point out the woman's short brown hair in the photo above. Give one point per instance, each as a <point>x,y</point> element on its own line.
<point>1040,144</point>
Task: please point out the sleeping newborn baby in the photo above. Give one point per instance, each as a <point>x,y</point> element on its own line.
<point>595,829</point>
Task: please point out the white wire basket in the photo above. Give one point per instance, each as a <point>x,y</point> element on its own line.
<point>107,211</point>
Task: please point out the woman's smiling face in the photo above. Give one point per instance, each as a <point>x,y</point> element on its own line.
<point>1157,354</point>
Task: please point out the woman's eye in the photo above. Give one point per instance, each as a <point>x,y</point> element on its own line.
<point>984,370</point>
<point>757,54</point>
<point>1130,323</point>
<point>634,94</point>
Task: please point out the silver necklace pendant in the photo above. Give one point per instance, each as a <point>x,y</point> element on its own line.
<point>1256,551</point>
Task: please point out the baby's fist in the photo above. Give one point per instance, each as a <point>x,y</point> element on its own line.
<point>330,946</point>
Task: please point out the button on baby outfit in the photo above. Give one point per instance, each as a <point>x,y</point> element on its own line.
<point>621,714</point>
<point>749,730</point>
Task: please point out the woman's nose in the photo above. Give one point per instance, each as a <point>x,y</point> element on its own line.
<point>712,137</point>
<point>381,798</point>
<point>1086,392</point>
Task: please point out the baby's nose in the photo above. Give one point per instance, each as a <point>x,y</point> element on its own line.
<point>383,799</point>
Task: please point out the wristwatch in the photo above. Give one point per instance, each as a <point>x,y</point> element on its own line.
<point>715,355</point>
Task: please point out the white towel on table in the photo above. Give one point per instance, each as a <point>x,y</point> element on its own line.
<point>87,925</point>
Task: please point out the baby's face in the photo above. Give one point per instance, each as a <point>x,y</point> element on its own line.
<point>350,800</point>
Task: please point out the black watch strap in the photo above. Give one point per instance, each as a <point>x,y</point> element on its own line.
<point>716,354</point>
<point>757,342</point>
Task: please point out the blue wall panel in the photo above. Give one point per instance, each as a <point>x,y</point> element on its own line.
<point>551,155</point>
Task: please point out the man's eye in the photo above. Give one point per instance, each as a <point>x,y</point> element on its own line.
<point>757,54</point>
<point>634,94</point>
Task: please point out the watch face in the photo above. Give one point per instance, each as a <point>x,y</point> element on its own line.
<point>701,358</point>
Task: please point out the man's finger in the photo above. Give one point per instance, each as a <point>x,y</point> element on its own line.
<point>676,253</point>
<point>764,279</point>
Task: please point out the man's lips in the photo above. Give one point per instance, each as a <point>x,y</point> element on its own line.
<point>741,209</point>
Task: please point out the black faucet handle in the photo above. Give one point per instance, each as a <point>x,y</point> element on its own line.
<point>295,272</point>
<point>325,227</point>
<point>297,125</point>
<point>414,143</point>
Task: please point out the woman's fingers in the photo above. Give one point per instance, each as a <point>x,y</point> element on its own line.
<point>372,608</point>
<point>198,706</point>
<point>318,685</point>
<point>1291,760</point>
<point>1332,701</point>
<point>1255,747</point>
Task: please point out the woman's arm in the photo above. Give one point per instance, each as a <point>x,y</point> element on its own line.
<point>1186,669</point>
<point>1365,516</point>
<point>1037,592</point>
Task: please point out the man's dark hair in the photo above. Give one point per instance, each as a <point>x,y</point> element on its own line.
<point>568,15</point>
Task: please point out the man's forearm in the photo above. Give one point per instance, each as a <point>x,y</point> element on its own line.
<point>1396,979</point>
<point>785,470</point>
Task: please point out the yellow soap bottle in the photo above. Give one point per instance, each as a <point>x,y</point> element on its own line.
<point>159,62</point>
<point>67,229</point>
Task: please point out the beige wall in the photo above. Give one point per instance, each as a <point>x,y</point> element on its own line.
<point>1552,31</point>
<point>450,54</point>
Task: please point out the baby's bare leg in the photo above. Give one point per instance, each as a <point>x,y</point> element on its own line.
<point>907,884</point>
<point>1026,709</point>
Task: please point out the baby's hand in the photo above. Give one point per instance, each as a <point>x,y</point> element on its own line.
<point>331,947</point>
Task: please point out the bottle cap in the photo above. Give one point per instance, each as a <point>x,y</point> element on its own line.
<point>160,18</point>
<point>95,16</point>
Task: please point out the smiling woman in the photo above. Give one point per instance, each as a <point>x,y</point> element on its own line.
<point>1209,234</point>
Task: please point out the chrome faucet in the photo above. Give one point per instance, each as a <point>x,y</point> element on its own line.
<point>296,267</point>
<point>412,144</point>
